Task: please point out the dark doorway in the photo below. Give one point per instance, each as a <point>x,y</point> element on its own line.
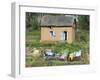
<point>65,35</point>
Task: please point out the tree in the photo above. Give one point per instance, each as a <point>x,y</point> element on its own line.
<point>83,22</point>
<point>82,32</point>
<point>32,22</point>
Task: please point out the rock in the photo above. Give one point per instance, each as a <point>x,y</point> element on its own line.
<point>36,52</point>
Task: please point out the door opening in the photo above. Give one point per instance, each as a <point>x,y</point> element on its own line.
<point>64,35</point>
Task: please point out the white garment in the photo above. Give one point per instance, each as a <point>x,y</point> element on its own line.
<point>49,53</point>
<point>77,54</point>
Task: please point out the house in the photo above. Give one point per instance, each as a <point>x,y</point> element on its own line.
<point>58,28</point>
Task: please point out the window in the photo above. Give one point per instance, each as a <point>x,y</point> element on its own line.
<point>50,27</point>
<point>52,33</point>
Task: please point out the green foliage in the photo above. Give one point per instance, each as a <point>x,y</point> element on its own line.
<point>66,48</point>
<point>32,22</point>
<point>83,22</point>
<point>82,36</point>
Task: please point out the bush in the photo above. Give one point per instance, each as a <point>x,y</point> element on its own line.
<point>82,36</point>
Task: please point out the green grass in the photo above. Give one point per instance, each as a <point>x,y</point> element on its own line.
<point>33,35</point>
<point>41,62</point>
<point>33,41</point>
